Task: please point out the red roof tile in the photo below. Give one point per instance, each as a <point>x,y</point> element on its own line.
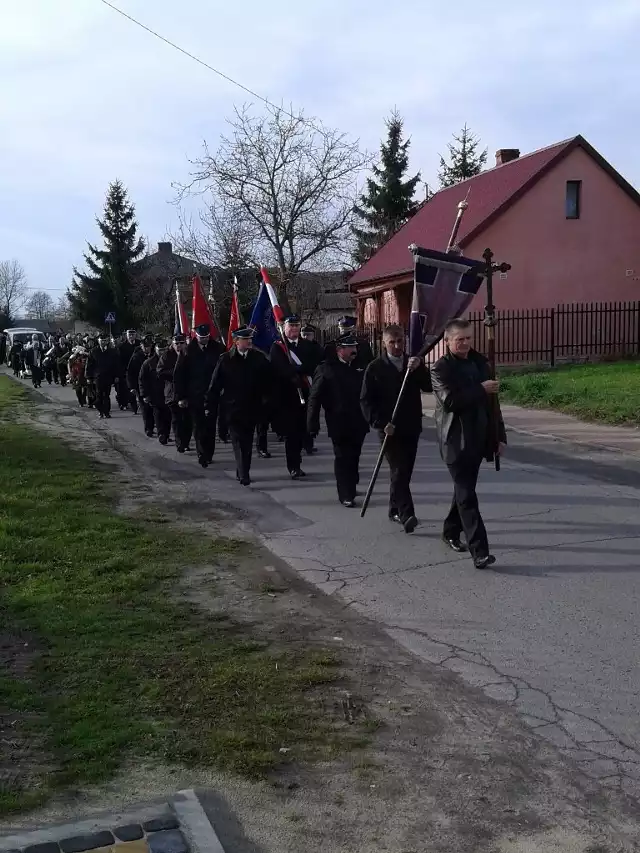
<point>489,192</point>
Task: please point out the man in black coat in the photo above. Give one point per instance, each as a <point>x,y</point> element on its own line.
<point>125,350</point>
<point>140,355</point>
<point>292,366</point>
<point>380,389</point>
<point>336,388</point>
<point>242,375</point>
<point>192,378</point>
<point>151,390</point>
<point>462,386</point>
<point>103,368</point>
<point>180,419</point>
<point>308,333</point>
<point>347,326</point>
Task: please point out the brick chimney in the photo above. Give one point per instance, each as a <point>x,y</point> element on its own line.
<point>506,155</point>
<point>165,249</point>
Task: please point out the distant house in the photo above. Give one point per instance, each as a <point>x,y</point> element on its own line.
<point>321,298</point>
<point>563,217</point>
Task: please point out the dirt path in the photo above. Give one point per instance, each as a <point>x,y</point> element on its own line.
<point>447,769</point>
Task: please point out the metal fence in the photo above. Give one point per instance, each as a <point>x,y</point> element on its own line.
<point>547,335</point>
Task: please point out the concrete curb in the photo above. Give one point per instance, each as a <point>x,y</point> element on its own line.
<point>200,834</point>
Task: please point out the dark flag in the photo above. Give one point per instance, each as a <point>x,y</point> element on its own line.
<point>443,287</point>
<point>263,322</point>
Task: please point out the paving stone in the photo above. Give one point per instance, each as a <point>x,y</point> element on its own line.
<point>130,832</point>
<point>160,823</point>
<point>47,847</point>
<point>139,846</point>
<point>80,843</point>
<point>169,841</point>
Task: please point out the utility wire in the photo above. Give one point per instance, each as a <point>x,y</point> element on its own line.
<point>200,61</point>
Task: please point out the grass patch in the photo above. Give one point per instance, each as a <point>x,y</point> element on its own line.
<point>124,667</point>
<point>607,393</point>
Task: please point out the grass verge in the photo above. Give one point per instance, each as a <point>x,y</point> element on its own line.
<point>118,665</point>
<point>607,393</point>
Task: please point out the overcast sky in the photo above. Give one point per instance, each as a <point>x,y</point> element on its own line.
<point>86,96</point>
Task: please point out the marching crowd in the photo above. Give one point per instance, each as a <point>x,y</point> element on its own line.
<point>196,389</point>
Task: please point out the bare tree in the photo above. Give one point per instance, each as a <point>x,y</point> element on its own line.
<point>40,306</point>
<point>13,287</point>
<point>291,185</point>
<point>63,310</point>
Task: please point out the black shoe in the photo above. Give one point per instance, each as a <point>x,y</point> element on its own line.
<point>297,474</point>
<point>180,449</point>
<point>203,462</point>
<point>410,524</point>
<point>245,481</point>
<point>264,454</point>
<point>101,416</point>
<point>484,562</point>
<point>187,449</point>
<point>349,504</point>
<point>455,544</point>
<point>393,516</point>
<point>163,439</point>
<point>107,415</point>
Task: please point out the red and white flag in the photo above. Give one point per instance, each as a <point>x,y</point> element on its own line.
<point>278,313</point>
<point>234,319</point>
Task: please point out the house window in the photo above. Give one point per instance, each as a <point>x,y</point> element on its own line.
<point>572,202</point>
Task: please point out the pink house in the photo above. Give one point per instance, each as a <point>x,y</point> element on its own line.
<point>565,220</point>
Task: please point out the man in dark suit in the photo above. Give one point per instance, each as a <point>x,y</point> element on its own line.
<point>380,389</point>
<point>462,386</point>
<point>347,326</point>
<point>293,363</point>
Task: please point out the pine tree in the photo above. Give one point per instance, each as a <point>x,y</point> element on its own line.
<point>106,286</point>
<point>465,160</point>
<point>388,202</point>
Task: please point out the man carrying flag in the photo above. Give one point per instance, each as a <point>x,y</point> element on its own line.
<point>265,333</point>
<point>234,318</point>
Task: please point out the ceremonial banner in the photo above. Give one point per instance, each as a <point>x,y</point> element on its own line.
<point>201,310</point>
<point>443,287</point>
<point>262,320</point>
<point>181,324</point>
<point>278,313</point>
<point>234,318</point>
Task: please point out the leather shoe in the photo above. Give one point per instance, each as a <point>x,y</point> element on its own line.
<point>484,562</point>
<point>395,517</point>
<point>264,454</point>
<point>410,524</point>
<point>455,544</point>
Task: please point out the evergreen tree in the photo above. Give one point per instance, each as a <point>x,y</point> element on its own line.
<point>388,202</point>
<point>110,278</point>
<point>465,160</point>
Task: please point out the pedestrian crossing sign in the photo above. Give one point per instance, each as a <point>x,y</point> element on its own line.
<point>110,317</point>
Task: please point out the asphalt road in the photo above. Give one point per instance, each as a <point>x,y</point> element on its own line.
<point>552,630</point>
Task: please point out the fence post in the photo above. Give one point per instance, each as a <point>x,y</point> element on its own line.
<point>638,325</point>
<point>552,337</point>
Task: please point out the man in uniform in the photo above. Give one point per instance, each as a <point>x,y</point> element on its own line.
<point>151,390</point>
<point>3,347</point>
<point>103,367</point>
<point>336,388</point>
<point>380,389</point>
<point>292,365</point>
<point>180,419</point>
<point>140,355</point>
<point>347,326</point>
<point>463,387</point>
<point>125,351</point>
<point>192,378</point>
<point>308,333</point>
<point>242,375</point>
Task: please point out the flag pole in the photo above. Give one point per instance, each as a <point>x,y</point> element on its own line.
<point>279,318</point>
<point>212,304</point>
<point>462,206</point>
<point>490,325</point>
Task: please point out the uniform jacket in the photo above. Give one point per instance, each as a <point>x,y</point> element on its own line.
<point>165,370</point>
<point>103,366</point>
<point>462,415</point>
<point>380,389</point>
<point>194,370</point>
<point>291,377</point>
<point>149,383</point>
<point>133,368</point>
<point>336,388</point>
<point>363,358</point>
<point>245,381</point>
<point>125,351</point>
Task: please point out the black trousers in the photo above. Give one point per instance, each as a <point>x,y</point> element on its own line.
<point>51,372</point>
<point>347,450</point>
<point>147,417</point>
<point>122,391</point>
<point>241,436</point>
<point>262,432</point>
<point>91,394</point>
<point>103,397</point>
<point>63,372</point>
<point>295,425</point>
<point>464,514</point>
<point>36,374</point>
<point>182,426</point>
<point>400,453</point>
<point>162,420</point>
<point>81,393</point>
<point>204,431</point>
<point>223,422</point>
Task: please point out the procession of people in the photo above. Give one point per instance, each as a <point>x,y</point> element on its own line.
<point>194,390</point>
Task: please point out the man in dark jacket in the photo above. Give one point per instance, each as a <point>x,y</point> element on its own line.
<point>242,375</point>
<point>336,388</point>
<point>151,391</point>
<point>292,366</point>
<point>103,367</point>
<point>308,333</point>
<point>140,355</point>
<point>192,378</point>
<point>347,326</point>
<point>462,386</point>
<point>380,389</point>
<point>125,350</point>
<point>180,419</point>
